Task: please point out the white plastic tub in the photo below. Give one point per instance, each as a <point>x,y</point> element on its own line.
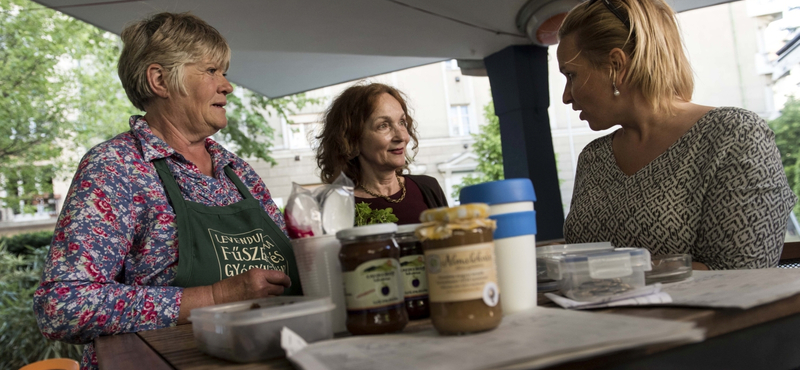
<point>250,331</point>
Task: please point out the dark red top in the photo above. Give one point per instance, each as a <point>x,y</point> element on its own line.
<point>408,210</point>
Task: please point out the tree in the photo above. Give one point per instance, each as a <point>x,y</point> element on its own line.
<point>60,95</point>
<point>248,131</point>
<point>58,90</point>
<point>787,138</point>
<point>489,150</point>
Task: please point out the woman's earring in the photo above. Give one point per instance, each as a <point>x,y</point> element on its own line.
<point>616,92</point>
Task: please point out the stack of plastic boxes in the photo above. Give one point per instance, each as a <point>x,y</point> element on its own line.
<point>546,284</point>
<point>511,205</point>
<point>592,276</point>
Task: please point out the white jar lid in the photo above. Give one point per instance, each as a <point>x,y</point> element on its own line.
<point>367,230</point>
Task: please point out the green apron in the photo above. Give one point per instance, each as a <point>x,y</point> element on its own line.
<point>215,243</point>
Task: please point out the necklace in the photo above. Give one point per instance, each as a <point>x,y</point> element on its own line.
<point>403,187</point>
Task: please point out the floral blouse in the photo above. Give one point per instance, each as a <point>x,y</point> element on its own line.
<point>114,254</point>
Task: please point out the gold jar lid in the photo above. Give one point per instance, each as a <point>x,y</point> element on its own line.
<point>451,214</point>
<point>439,223</point>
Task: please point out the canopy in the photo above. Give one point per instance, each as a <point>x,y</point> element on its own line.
<point>281,47</point>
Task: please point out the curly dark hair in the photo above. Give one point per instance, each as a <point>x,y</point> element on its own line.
<point>343,125</point>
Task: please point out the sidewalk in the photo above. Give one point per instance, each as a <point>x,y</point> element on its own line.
<point>12,228</point>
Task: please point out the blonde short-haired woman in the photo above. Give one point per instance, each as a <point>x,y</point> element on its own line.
<point>676,177</point>
<point>162,219</point>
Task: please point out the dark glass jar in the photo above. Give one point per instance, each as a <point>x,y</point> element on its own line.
<point>412,264</point>
<point>461,269</point>
<point>373,284</point>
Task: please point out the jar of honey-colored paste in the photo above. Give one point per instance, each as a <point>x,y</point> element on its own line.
<point>461,268</point>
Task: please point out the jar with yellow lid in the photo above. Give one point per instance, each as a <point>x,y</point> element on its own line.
<point>461,268</point>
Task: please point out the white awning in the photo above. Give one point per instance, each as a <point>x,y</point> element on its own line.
<point>282,47</point>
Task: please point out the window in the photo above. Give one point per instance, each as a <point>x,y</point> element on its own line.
<point>460,120</point>
<point>302,131</point>
<point>452,64</point>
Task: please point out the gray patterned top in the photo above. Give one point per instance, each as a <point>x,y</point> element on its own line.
<point>719,193</point>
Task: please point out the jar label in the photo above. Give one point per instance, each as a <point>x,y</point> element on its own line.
<point>415,281</point>
<point>373,284</point>
<point>461,273</point>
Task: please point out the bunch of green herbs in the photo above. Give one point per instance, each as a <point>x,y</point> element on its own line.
<point>368,216</point>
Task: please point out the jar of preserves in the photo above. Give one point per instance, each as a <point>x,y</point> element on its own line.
<point>461,268</point>
<point>412,265</point>
<point>373,283</point>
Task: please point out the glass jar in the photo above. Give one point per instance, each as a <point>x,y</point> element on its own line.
<point>461,268</point>
<point>412,264</point>
<point>373,283</point>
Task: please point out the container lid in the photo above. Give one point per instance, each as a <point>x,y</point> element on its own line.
<point>258,311</point>
<point>599,265</point>
<point>499,192</point>
<point>510,225</point>
<point>407,229</point>
<point>377,229</point>
<point>452,214</point>
<point>552,250</point>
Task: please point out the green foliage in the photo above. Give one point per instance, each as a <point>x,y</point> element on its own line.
<point>489,150</point>
<point>60,94</point>
<point>368,216</point>
<point>787,138</point>
<point>248,129</point>
<point>25,243</point>
<point>19,333</point>
<point>58,91</point>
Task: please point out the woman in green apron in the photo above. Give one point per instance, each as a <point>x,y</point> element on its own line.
<point>162,219</point>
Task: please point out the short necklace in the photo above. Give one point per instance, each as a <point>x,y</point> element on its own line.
<point>386,197</point>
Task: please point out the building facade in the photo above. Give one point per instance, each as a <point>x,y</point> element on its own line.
<point>723,44</point>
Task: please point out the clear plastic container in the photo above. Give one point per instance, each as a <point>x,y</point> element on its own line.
<point>592,276</point>
<point>546,284</point>
<point>250,331</point>
<point>669,268</point>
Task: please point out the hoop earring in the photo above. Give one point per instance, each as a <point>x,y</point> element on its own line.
<point>616,92</point>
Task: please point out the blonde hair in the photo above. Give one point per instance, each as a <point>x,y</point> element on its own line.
<point>343,125</point>
<point>658,66</point>
<point>172,41</point>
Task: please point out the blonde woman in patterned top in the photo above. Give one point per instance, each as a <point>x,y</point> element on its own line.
<point>676,177</point>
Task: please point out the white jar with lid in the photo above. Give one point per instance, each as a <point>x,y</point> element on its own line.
<point>504,196</point>
<point>511,205</point>
<point>515,248</point>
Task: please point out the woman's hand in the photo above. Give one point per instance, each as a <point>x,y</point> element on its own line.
<point>255,283</point>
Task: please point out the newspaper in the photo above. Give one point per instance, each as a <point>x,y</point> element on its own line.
<point>648,295</point>
<point>531,339</point>
<point>715,289</point>
<point>734,288</point>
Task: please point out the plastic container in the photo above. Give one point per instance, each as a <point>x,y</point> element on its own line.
<point>669,268</point>
<point>321,273</point>
<point>515,248</point>
<point>504,196</point>
<point>250,331</point>
<point>412,264</point>
<point>592,276</point>
<point>373,280</point>
<point>563,249</point>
